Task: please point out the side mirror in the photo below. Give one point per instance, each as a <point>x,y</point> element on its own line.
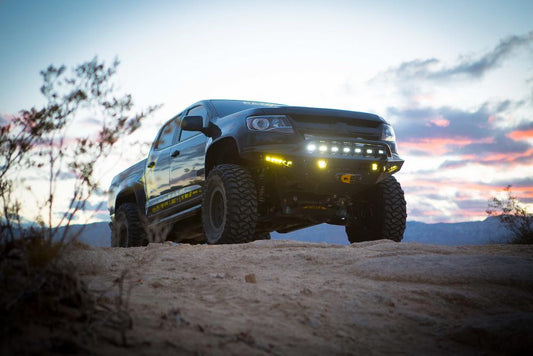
<point>192,123</point>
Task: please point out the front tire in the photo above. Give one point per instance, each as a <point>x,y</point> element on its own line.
<point>128,229</point>
<point>229,207</point>
<point>388,217</point>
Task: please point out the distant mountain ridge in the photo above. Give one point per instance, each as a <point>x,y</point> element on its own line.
<point>483,232</point>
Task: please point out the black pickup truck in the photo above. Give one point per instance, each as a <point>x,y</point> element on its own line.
<point>229,171</point>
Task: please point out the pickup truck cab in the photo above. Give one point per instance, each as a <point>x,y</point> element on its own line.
<point>231,171</point>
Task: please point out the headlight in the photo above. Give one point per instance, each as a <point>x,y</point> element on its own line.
<point>271,123</point>
<point>388,133</point>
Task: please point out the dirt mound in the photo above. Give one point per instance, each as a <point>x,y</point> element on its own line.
<point>285,297</point>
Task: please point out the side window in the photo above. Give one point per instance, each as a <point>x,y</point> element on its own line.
<point>196,111</point>
<point>167,135</point>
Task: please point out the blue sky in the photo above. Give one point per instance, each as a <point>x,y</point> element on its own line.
<point>455,77</point>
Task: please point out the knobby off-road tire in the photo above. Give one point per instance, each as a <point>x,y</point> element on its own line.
<point>229,207</point>
<point>388,218</point>
<point>128,229</point>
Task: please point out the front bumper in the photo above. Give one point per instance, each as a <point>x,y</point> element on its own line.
<point>327,172</point>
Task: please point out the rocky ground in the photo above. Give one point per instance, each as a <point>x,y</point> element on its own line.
<point>293,298</point>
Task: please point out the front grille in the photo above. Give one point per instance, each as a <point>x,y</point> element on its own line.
<point>337,126</point>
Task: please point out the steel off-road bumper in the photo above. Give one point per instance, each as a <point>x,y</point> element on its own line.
<point>325,172</point>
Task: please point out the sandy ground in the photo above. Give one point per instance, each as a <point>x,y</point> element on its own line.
<point>291,298</point>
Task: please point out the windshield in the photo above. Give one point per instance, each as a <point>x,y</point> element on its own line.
<point>228,107</point>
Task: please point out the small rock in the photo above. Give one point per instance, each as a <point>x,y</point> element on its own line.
<point>218,275</point>
<point>306,291</point>
<point>250,278</point>
<point>157,284</point>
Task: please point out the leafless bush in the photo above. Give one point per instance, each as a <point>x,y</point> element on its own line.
<point>45,142</point>
<point>513,216</point>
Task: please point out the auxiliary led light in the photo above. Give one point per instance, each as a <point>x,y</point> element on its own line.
<point>374,166</point>
<point>322,164</point>
<point>334,149</point>
<point>357,150</point>
<point>278,161</point>
<point>323,148</point>
<point>346,149</point>
<point>381,152</point>
<point>393,169</point>
<point>311,147</point>
<point>369,151</point>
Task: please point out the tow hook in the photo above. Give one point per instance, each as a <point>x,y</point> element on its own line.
<point>349,178</point>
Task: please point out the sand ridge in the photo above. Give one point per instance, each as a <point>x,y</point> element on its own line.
<point>291,298</point>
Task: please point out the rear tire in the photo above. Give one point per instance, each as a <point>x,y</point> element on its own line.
<point>388,217</point>
<point>128,229</point>
<point>229,207</point>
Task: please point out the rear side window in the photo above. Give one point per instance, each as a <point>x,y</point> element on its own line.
<point>166,136</point>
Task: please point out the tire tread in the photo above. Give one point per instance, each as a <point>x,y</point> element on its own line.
<point>241,215</point>
<point>391,225</point>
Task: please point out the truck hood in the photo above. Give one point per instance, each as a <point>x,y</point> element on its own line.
<point>298,111</point>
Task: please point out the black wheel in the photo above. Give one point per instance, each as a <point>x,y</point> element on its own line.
<point>387,218</point>
<point>128,229</point>
<point>229,207</point>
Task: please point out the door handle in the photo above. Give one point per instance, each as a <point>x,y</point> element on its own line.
<point>175,154</point>
<point>151,164</point>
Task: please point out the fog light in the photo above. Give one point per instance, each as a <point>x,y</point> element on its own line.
<point>374,166</point>
<point>322,164</point>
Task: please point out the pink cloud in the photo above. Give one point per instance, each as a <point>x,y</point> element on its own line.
<point>507,157</point>
<point>441,146</point>
<point>521,135</point>
<point>424,186</point>
<point>440,122</point>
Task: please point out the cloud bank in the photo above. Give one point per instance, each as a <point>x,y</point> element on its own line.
<point>465,67</point>
<point>457,157</point>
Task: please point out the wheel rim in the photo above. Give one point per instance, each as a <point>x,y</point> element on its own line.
<point>217,210</point>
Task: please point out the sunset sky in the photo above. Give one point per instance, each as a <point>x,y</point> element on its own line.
<point>455,78</point>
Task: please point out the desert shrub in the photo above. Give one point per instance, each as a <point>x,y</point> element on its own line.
<point>513,216</point>
<point>45,141</point>
<point>35,285</point>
